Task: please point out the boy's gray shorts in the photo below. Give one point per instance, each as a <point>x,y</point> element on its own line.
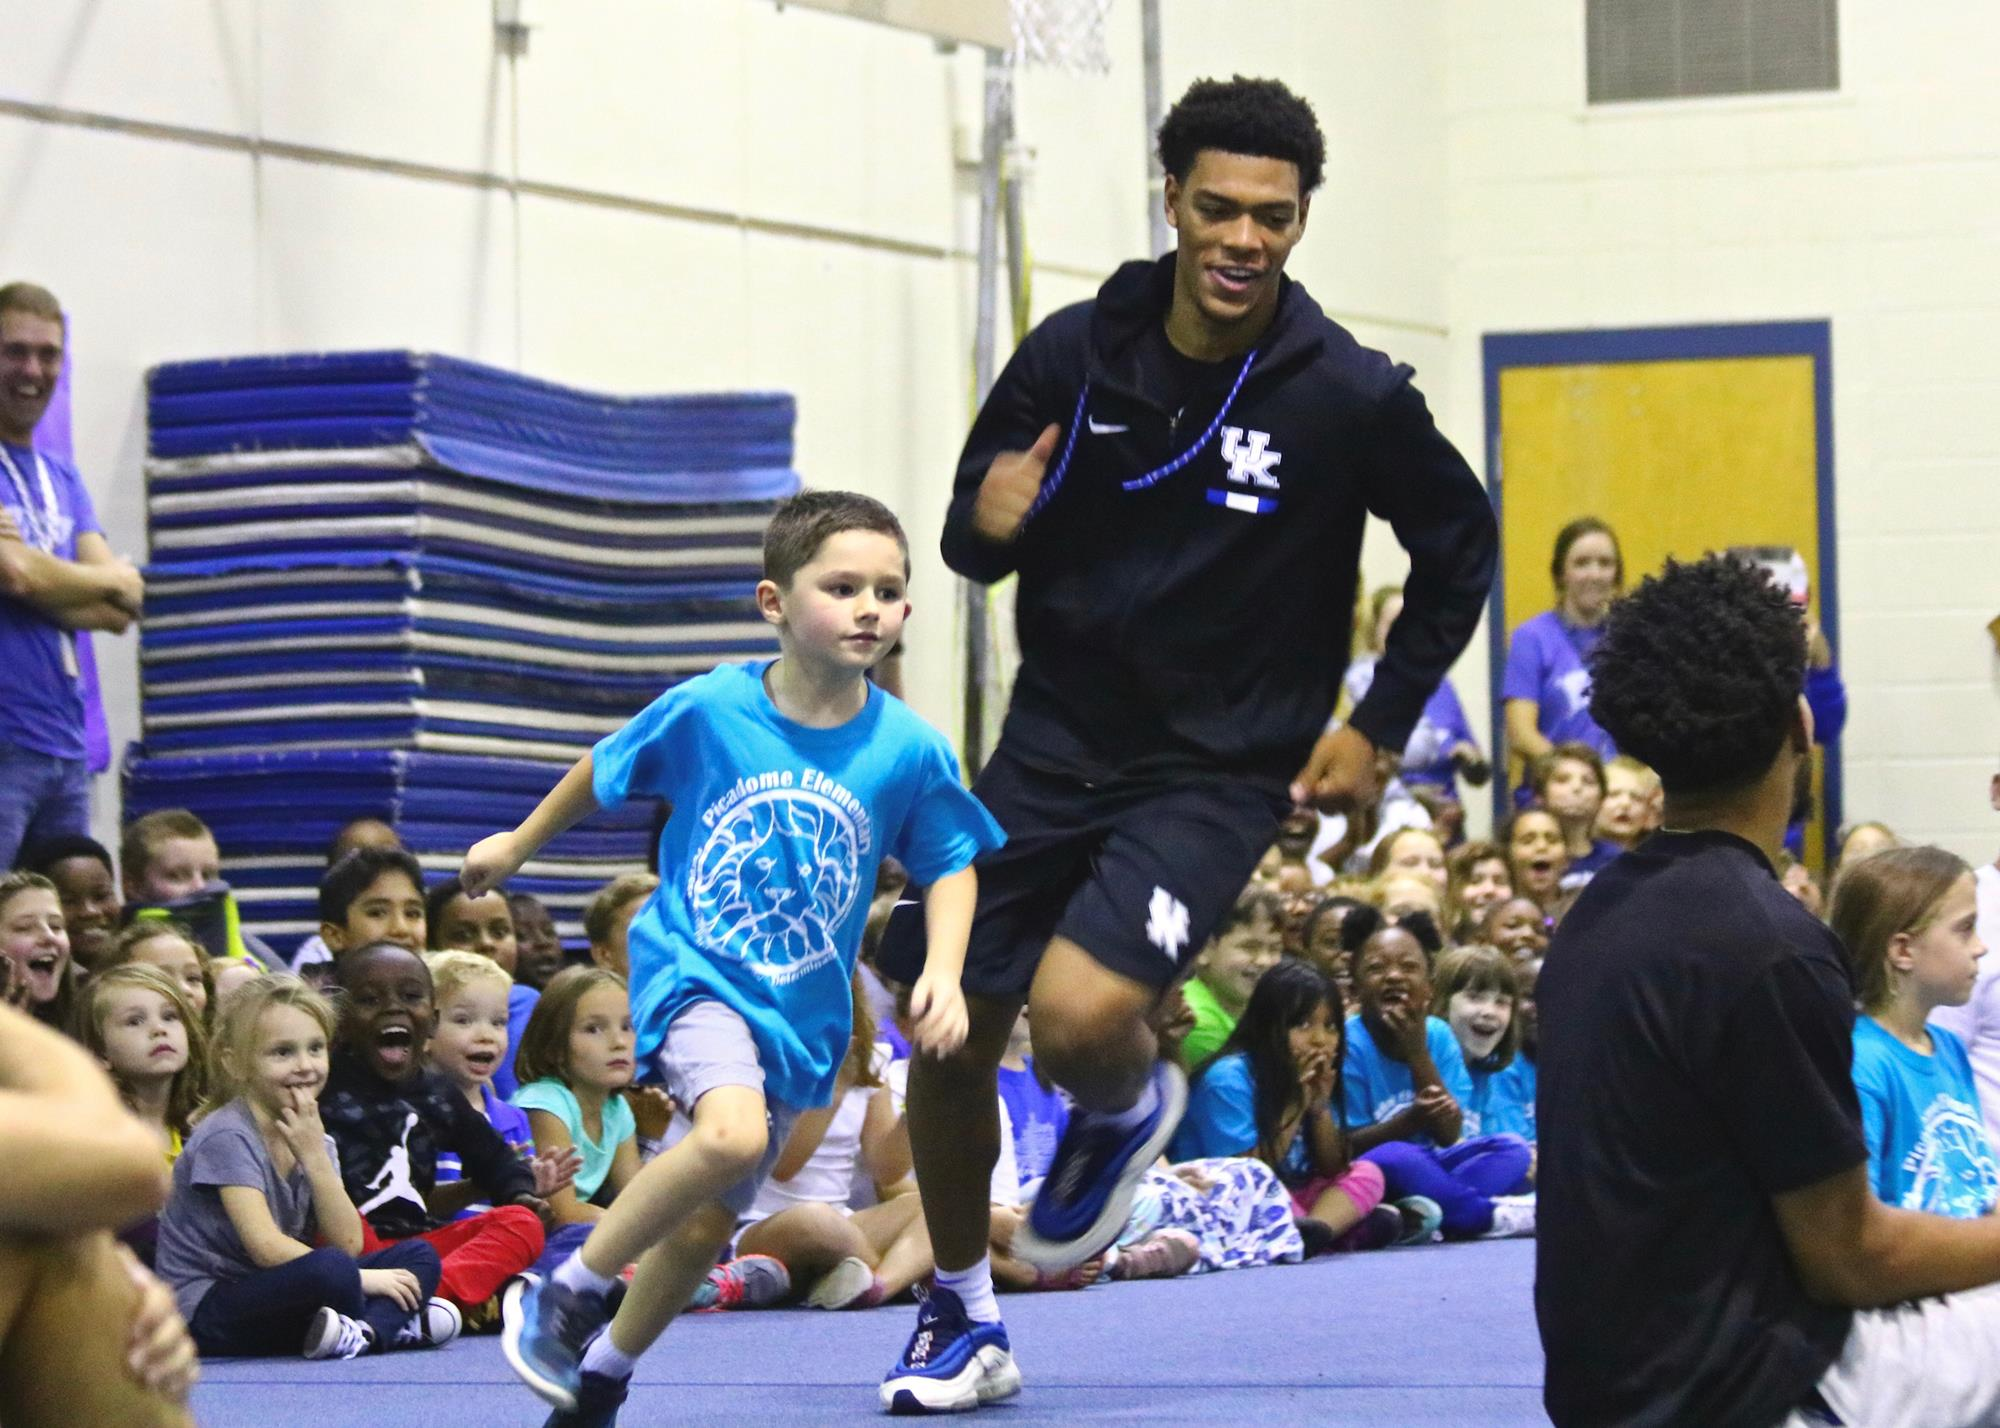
<point>709,1045</point>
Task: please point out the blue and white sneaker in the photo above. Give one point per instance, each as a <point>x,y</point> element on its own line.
<point>598,1398</point>
<point>951,1363</point>
<point>1084,1203</point>
<point>545,1339</point>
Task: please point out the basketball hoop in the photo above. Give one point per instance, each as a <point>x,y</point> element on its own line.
<point>1066,35</point>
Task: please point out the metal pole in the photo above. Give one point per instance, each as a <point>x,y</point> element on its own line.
<point>1156,179</point>
<point>972,595</point>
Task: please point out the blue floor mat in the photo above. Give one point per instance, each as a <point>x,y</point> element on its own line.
<point>1400,1339</point>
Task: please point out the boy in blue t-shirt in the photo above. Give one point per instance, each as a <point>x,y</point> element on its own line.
<point>789,780</point>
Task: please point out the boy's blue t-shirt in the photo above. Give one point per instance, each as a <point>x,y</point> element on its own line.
<point>1927,1147</point>
<point>1503,1101</point>
<point>1038,1115</point>
<point>768,860</point>
<point>521,1001</point>
<point>1221,1119</point>
<point>1378,1086</point>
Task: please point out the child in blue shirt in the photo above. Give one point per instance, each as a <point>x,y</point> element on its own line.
<point>1908,917</point>
<point>789,780</point>
<point>1479,996</point>
<point>1406,1088</point>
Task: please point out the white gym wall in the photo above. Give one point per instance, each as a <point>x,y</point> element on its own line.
<point>713,194</point>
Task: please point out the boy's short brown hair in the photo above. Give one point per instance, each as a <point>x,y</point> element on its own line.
<point>143,834</point>
<point>807,521</point>
<point>604,904</point>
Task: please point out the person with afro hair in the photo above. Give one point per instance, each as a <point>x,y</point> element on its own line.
<point>1179,470</point>
<point>1710,1248</point>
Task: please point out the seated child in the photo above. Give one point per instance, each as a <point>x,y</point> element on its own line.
<point>257,1180</point>
<point>34,948</point>
<point>141,1029</point>
<point>391,1116</point>
<point>1631,807</point>
<point>314,958</point>
<point>575,1061</point>
<point>1537,857</point>
<point>1271,1094</point>
<point>468,1046</point>
<point>538,953</point>
<point>229,973</point>
<point>174,869</point>
<point>1400,893</point>
<point>1908,918</point>
<point>1319,940</point>
<point>1246,944</point>
<point>1798,880</point>
<point>168,945</point>
<point>841,1257</point>
<point>1479,996</point>
<point>141,1026</point>
<point>1410,850</point>
<point>1405,1086</point>
<point>1037,1113</point>
<point>1569,782</point>
<point>87,1336</point>
<point>607,919</point>
<point>1478,880</point>
<point>485,925</point>
<point>87,886</point>
<point>1520,929</point>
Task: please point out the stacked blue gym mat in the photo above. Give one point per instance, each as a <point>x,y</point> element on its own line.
<point>412,587</point>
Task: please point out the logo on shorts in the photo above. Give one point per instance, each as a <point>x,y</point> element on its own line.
<point>1167,923</point>
<point>774,881</point>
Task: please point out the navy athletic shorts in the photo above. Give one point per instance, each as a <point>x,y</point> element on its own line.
<point>1138,876</point>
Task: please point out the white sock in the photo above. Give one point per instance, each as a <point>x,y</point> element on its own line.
<point>603,1356</point>
<point>1148,1102</point>
<point>974,1288</point>
<point>578,1277</point>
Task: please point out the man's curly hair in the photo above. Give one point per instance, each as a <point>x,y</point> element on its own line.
<point>1699,673</point>
<point>1243,116</point>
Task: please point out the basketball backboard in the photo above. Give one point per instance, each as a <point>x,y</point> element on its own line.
<point>972,22</point>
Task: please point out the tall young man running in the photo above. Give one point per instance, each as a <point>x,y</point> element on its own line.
<point>1180,472</point>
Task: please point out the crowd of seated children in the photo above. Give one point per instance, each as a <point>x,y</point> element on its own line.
<point>262,1245</point>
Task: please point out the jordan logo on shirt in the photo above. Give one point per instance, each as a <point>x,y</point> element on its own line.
<point>1250,458</point>
<point>393,1180</point>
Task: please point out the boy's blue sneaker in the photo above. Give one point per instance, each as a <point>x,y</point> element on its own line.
<point>597,1399</point>
<point>544,1341</point>
<point>951,1364</point>
<point>1083,1204</point>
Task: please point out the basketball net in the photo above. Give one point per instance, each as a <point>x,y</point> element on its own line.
<point>1066,35</point>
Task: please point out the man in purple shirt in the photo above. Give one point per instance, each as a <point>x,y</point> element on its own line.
<point>57,576</point>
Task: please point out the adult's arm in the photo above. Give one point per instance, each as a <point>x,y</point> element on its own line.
<point>72,1158</point>
<point>1013,415</point>
<point>56,587</point>
<point>1851,1249</point>
<point>1525,739</point>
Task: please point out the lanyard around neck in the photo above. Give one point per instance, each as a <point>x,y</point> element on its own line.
<point>1158,473</point>
<point>37,521</point>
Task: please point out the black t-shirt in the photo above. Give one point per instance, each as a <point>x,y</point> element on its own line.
<point>1190,389</point>
<point>1696,1035</point>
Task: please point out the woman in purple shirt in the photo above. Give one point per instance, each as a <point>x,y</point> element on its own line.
<point>1546,688</point>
